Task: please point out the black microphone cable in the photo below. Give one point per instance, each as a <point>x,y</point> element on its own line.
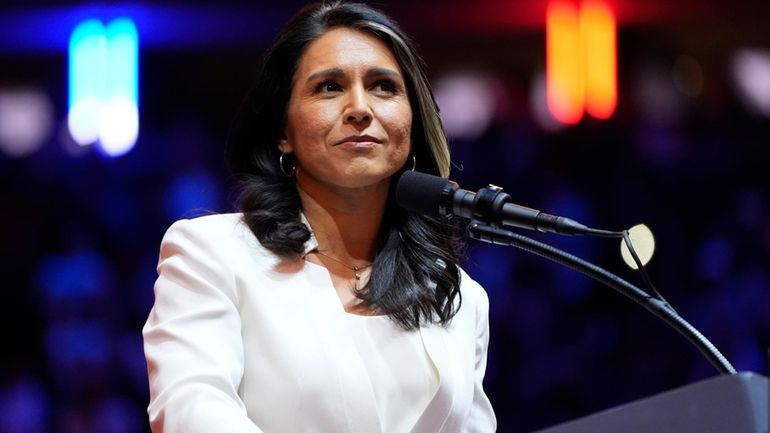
<point>640,267</point>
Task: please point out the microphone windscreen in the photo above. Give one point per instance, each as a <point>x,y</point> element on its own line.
<point>422,192</point>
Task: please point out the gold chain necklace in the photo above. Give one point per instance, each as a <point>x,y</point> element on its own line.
<point>355,269</point>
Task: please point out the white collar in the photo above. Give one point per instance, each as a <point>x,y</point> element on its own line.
<point>312,243</point>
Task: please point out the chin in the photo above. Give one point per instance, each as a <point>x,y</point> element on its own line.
<point>365,178</point>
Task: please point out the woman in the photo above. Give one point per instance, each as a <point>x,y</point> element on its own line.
<point>322,306</point>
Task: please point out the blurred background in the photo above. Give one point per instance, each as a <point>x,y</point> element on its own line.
<point>682,145</point>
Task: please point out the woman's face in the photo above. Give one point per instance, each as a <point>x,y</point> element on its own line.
<point>349,120</point>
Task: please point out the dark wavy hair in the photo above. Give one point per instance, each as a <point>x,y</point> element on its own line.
<point>414,278</point>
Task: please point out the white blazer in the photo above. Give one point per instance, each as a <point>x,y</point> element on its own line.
<point>240,341</point>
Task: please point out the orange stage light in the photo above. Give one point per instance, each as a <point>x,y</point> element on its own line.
<point>597,24</point>
<point>564,77</point>
<point>581,59</point>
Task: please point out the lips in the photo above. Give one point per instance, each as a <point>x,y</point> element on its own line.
<point>356,139</point>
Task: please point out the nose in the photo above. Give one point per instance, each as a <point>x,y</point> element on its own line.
<point>358,110</point>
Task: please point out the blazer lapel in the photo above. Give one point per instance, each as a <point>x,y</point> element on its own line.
<point>351,395</point>
<point>436,417</point>
<point>356,385</point>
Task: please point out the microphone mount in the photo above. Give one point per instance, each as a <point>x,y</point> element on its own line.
<point>488,204</point>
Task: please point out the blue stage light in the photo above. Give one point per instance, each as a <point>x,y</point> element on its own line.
<point>87,80</point>
<point>119,123</point>
<point>104,85</point>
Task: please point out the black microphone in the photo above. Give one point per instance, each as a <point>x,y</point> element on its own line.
<point>433,195</point>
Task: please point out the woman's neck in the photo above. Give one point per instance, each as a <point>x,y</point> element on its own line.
<point>345,221</point>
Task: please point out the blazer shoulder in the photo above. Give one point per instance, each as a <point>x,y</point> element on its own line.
<point>208,223</point>
<point>213,232</point>
<point>214,226</point>
<point>471,289</point>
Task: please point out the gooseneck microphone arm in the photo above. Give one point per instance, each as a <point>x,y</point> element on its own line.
<point>499,236</point>
<point>490,208</point>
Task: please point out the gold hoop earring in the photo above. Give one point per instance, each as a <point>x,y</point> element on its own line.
<point>283,170</point>
<point>414,162</point>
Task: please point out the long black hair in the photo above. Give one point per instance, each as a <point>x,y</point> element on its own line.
<point>414,278</point>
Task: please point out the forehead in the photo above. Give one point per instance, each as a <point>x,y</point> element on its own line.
<point>343,47</point>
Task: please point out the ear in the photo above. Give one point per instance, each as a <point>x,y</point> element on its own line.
<point>285,147</point>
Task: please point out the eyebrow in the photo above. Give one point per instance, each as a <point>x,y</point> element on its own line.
<point>339,73</point>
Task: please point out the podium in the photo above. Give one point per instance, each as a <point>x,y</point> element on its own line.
<point>724,404</point>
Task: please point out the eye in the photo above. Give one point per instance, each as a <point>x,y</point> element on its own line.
<point>327,86</point>
<point>387,86</point>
